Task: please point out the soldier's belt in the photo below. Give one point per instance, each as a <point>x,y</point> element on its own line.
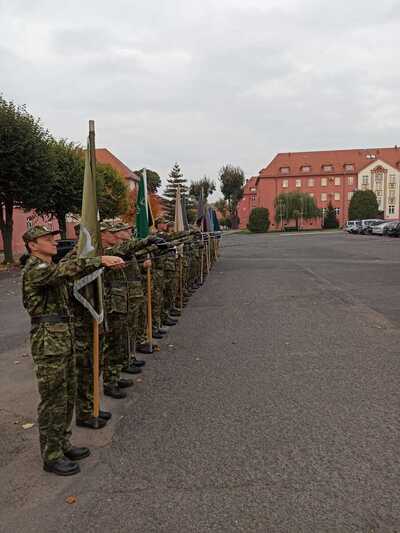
<point>49,319</point>
<point>124,283</point>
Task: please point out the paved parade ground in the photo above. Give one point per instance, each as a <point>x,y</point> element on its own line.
<point>272,407</point>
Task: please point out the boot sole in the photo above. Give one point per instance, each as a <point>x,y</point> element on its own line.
<point>64,474</point>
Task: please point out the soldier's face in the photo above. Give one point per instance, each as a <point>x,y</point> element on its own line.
<point>46,245</point>
<point>124,235</point>
<point>108,238</point>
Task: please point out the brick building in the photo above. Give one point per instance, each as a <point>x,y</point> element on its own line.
<point>22,219</point>
<point>328,176</point>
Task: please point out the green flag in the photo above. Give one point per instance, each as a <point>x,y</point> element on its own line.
<point>142,210</point>
<point>89,244</point>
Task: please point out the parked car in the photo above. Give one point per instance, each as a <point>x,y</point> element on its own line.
<point>390,226</point>
<point>368,229</point>
<point>365,224</point>
<point>351,226</point>
<point>393,230</point>
<point>380,229</point>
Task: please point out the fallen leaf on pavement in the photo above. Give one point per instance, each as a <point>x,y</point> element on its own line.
<point>71,499</point>
<point>139,380</point>
<point>28,425</point>
<point>17,362</point>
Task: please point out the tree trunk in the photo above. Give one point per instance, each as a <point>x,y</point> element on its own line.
<point>6,228</point>
<point>62,225</point>
<point>297,224</point>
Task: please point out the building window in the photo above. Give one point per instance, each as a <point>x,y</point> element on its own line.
<point>392,181</point>
<point>253,189</point>
<point>323,196</point>
<point>337,211</point>
<point>311,194</point>
<point>337,196</point>
<point>349,180</point>
<point>306,168</point>
<point>337,181</point>
<point>311,182</point>
<point>298,183</point>
<point>350,195</point>
<point>391,209</point>
<point>349,167</point>
<point>324,182</point>
<point>327,168</point>
<point>285,184</point>
<point>284,170</point>
<point>365,180</point>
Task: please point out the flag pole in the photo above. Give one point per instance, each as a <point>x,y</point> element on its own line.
<point>96,357</point>
<point>202,261</point>
<point>149,309</point>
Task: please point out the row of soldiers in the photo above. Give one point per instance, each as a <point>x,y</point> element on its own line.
<point>149,277</point>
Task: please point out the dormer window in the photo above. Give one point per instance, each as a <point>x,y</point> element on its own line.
<point>284,170</point>
<point>327,168</point>
<point>349,167</point>
<point>306,168</point>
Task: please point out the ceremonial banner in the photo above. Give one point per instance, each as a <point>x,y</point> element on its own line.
<point>89,244</point>
<point>144,216</point>
<point>179,225</point>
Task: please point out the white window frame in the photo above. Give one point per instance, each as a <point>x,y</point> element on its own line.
<point>298,183</point>
<point>323,197</point>
<point>337,180</point>
<point>337,196</point>
<point>285,184</point>
<point>324,182</point>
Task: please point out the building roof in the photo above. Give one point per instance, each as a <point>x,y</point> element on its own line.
<point>359,158</point>
<point>250,183</point>
<point>105,157</point>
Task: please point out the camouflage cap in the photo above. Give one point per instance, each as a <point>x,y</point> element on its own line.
<point>121,226</point>
<point>38,231</point>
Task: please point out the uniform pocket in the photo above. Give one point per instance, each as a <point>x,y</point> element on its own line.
<point>118,300</point>
<point>57,339</point>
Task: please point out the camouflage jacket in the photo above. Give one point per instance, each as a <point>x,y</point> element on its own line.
<point>44,285</point>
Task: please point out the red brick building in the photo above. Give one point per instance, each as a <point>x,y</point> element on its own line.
<point>22,219</point>
<point>328,176</point>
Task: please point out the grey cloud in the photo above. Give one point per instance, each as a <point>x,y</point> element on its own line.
<point>207,83</point>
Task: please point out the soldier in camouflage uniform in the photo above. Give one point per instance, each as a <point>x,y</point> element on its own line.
<point>126,249</point>
<point>46,298</point>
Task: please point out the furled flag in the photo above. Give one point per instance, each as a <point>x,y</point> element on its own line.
<point>89,244</point>
<point>184,212</point>
<point>217,227</point>
<point>144,216</point>
<point>179,225</point>
<point>200,219</point>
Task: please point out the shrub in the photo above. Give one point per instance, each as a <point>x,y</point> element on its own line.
<point>259,220</point>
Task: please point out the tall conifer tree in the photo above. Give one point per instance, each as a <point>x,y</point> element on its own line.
<point>175,178</point>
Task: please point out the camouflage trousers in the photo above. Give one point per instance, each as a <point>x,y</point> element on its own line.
<point>157,297</point>
<point>52,353</point>
<point>170,287</point>
<point>135,333</point>
<point>115,347</point>
<point>84,369</point>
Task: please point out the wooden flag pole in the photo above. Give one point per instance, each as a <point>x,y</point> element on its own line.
<point>96,343</point>
<point>149,309</point>
<point>181,280</point>
<point>202,262</point>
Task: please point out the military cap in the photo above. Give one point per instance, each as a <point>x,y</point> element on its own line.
<point>121,226</point>
<point>38,231</point>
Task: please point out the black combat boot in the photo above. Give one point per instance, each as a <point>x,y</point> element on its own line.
<point>111,389</point>
<point>62,467</point>
<point>125,383</point>
<point>75,454</point>
<point>92,423</point>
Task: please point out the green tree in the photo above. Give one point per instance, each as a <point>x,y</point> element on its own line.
<point>295,206</point>
<point>205,184</point>
<point>113,198</point>
<point>25,166</point>
<point>363,204</point>
<point>65,194</point>
<point>221,206</point>
<point>259,220</point>
<point>330,220</point>
<point>175,178</point>
<point>232,181</point>
<point>153,179</point>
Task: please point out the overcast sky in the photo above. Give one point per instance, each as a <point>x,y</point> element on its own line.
<point>206,83</point>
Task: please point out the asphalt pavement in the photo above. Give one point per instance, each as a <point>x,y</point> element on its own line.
<point>273,405</point>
